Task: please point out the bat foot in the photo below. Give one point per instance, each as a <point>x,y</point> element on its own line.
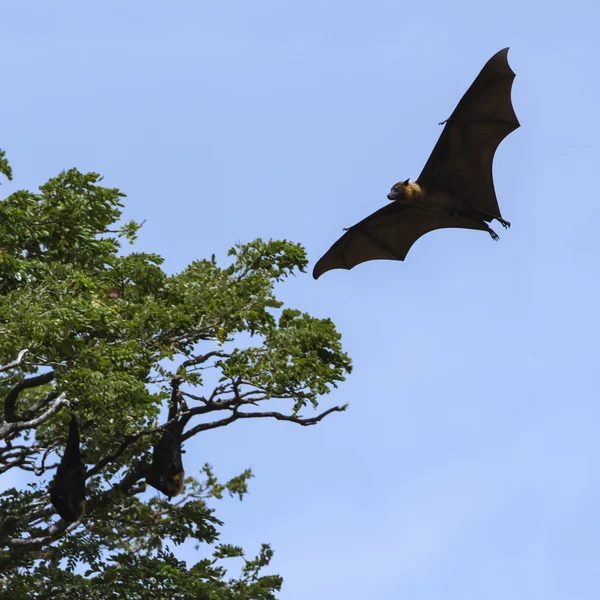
<point>505,224</point>
<point>494,235</point>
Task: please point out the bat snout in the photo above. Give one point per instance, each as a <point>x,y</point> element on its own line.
<point>392,195</point>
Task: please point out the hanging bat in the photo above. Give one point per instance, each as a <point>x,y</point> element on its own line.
<point>166,471</point>
<point>455,189</point>
<point>67,493</point>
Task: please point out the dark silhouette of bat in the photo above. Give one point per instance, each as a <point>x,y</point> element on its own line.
<point>455,189</point>
<point>166,472</point>
<point>67,492</point>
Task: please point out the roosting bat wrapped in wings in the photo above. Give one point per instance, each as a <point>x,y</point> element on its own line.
<point>67,492</point>
<point>455,189</point>
<point>166,471</point>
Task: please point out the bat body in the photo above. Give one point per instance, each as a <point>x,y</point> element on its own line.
<point>455,188</point>
<point>68,488</point>
<point>166,472</point>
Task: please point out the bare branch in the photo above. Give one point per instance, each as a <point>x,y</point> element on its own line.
<point>305,422</point>
<point>42,468</point>
<point>16,362</point>
<point>126,486</point>
<point>198,360</point>
<point>194,397</point>
<point>130,439</point>
<point>218,390</point>
<point>54,531</point>
<point>17,426</point>
<point>13,394</point>
<point>40,404</point>
<point>18,456</point>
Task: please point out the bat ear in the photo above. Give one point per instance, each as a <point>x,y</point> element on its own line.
<point>405,183</point>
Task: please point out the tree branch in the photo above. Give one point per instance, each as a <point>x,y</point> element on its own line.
<point>12,396</point>
<point>305,422</point>
<point>198,360</point>
<point>16,362</point>
<point>12,427</point>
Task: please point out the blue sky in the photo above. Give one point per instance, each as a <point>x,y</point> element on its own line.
<point>466,467</point>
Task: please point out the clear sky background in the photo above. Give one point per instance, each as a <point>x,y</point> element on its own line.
<point>466,467</point>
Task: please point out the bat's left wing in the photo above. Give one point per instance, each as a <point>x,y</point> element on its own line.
<point>388,234</point>
<point>461,162</point>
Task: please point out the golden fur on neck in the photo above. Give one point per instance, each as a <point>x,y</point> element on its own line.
<point>413,191</point>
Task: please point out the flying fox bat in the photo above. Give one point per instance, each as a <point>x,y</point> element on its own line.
<point>166,471</point>
<point>455,188</point>
<point>68,489</point>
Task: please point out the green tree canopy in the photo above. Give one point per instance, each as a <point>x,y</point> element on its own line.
<point>86,329</point>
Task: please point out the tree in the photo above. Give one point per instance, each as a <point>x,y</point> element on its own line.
<point>88,330</point>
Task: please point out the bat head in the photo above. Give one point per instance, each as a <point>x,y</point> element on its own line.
<point>398,191</point>
<point>174,485</point>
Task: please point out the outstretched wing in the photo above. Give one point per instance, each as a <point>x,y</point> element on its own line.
<point>461,162</point>
<point>388,234</point>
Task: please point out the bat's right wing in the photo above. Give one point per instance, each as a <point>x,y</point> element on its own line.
<point>461,162</point>
<point>388,234</point>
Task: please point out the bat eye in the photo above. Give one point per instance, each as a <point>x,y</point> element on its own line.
<point>405,183</point>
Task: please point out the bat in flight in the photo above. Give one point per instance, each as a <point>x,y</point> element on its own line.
<point>455,189</point>
<point>67,493</point>
<point>166,471</point>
